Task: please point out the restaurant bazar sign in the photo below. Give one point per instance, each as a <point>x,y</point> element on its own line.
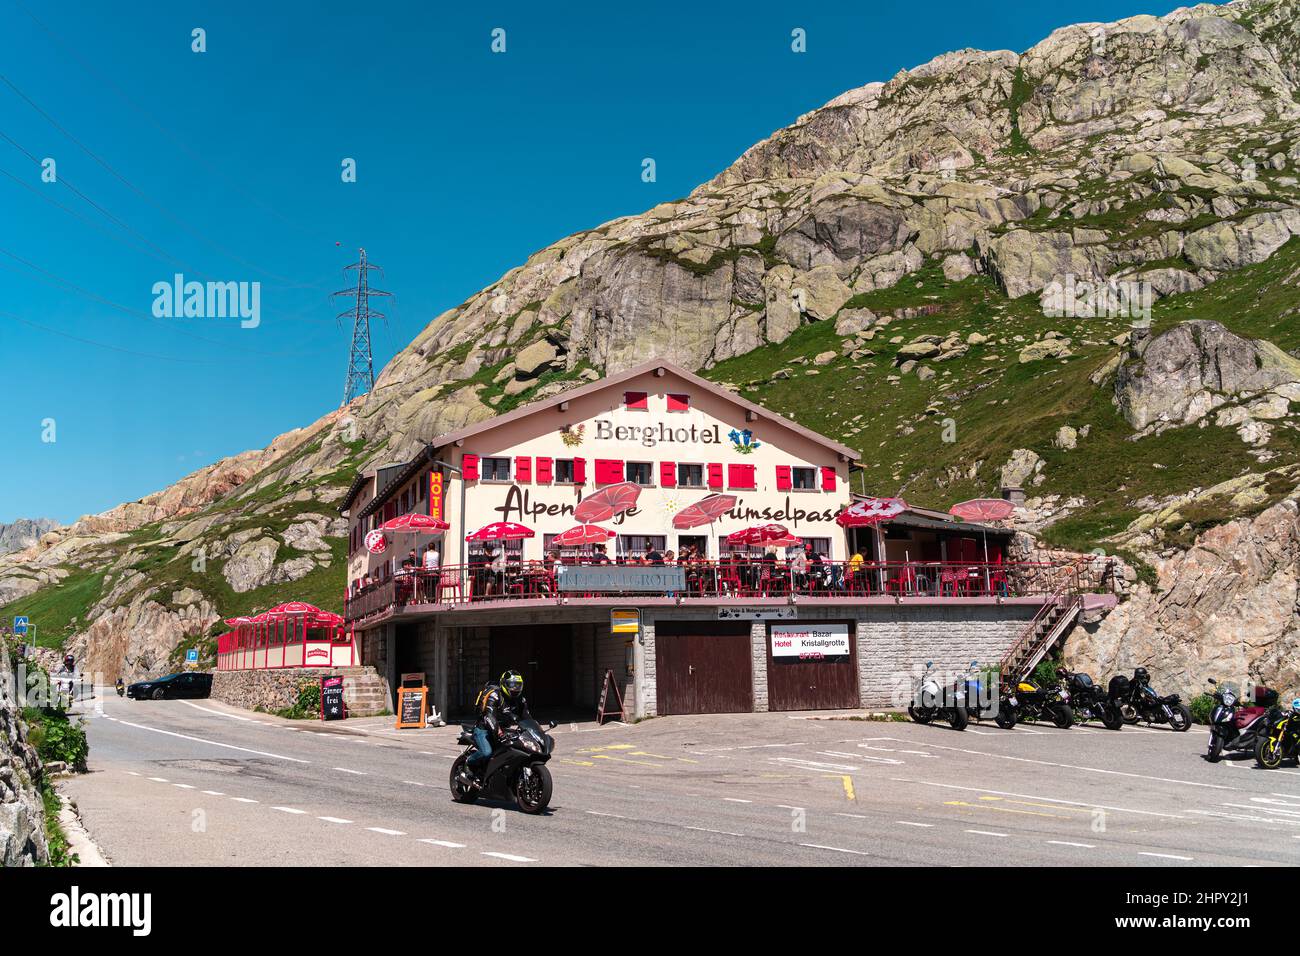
<point>521,506</point>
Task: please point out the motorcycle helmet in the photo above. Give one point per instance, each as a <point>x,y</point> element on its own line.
<point>1295,706</point>
<point>512,684</point>
<point>1141,676</point>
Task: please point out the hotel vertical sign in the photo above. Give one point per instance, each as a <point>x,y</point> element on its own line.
<point>435,495</point>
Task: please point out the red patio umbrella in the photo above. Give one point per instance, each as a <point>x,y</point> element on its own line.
<point>415,523</point>
<point>762,534</point>
<point>583,534</point>
<point>870,511</point>
<point>983,509</point>
<point>705,511</point>
<point>501,531</point>
<point>607,502</point>
<point>294,607</point>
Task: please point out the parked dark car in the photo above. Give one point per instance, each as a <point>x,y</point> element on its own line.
<point>173,685</point>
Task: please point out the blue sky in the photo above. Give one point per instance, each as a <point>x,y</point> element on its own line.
<point>225,165</point>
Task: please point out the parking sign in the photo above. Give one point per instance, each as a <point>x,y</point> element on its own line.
<point>192,656</point>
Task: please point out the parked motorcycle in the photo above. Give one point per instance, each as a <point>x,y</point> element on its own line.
<point>972,690</point>
<point>1236,725</point>
<point>516,770</point>
<point>1034,703</point>
<point>1143,703</point>
<point>929,703</point>
<point>1281,741</point>
<point>1090,702</point>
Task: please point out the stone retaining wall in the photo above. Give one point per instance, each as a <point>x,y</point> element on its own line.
<point>272,690</point>
<point>22,812</point>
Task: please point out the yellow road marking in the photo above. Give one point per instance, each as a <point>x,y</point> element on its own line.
<point>848,787</point>
<point>577,763</point>
<point>595,750</point>
<point>1051,806</point>
<point>641,763</point>
<point>976,806</point>
<point>644,753</point>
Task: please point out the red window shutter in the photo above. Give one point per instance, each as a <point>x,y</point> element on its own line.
<point>782,477</point>
<point>579,471</point>
<point>715,474</point>
<point>609,471</point>
<point>639,400</point>
<point>740,476</point>
<point>828,479</point>
<point>523,469</point>
<point>544,471</point>
<point>667,474</point>
<point>469,465</point>
<point>678,402</point>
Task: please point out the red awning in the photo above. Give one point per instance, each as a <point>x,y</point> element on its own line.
<point>501,531</point>
<point>983,509</point>
<point>705,511</point>
<point>870,511</point>
<point>415,523</point>
<point>583,534</point>
<point>607,502</point>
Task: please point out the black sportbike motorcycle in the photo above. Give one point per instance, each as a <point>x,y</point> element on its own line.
<point>515,771</point>
<point>1090,702</point>
<point>1143,703</point>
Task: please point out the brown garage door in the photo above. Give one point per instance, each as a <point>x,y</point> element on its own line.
<point>703,667</point>
<point>542,654</point>
<point>807,667</point>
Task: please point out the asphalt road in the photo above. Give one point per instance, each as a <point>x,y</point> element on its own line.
<point>196,783</point>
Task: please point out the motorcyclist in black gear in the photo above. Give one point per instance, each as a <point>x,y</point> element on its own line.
<point>500,707</point>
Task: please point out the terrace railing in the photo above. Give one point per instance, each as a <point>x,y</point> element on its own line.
<point>466,585</point>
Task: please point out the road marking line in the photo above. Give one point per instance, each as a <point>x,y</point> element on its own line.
<point>848,788</point>
<point>333,819</point>
<point>214,743</point>
<point>982,733</point>
<point>359,773</point>
<point>184,786</point>
<point>243,799</point>
<point>786,806</point>
<point>909,823</point>
<point>736,800</point>
<point>707,830</point>
<point>598,813</point>
<point>1165,856</point>
<point>209,710</point>
<point>1033,796</point>
<point>837,849</point>
<point>386,832</point>
<point>991,833</point>
<point>511,857</point>
<point>446,843</point>
<point>1085,846</point>
<point>159,779</point>
<point>133,773</point>
<point>416,783</point>
<point>288,810</point>
<point>214,793</point>
<point>985,806</point>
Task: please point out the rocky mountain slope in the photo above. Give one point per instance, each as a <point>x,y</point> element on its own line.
<point>952,271</point>
<point>24,533</point>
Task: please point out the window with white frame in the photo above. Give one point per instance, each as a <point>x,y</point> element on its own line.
<point>803,479</point>
<point>494,469</point>
<point>639,472</point>
<point>690,476</point>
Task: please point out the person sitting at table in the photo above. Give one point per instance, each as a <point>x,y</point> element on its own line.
<point>409,563</point>
<point>799,569</point>
<point>599,555</point>
<point>857,573</point>
<point>816,567</point>
<point>496,571</point>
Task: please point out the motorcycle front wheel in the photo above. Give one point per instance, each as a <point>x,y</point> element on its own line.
<point>1180,718</point>
<point>1005,718</point>
<point>461,792</point>
<point>1112,719</point>
<point>958,718</point>
<point>1268,753</point>
<point>1215,749</point>
<point>919,716</point>
<point>533,791</point>
<point>1063,716</point>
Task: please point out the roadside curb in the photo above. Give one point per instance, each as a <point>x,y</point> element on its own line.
<point>79,839</point>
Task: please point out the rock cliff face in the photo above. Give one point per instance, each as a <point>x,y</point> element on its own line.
<point>22,812</point>
<point>24,533</point>
<point>1226,608</point>
<point>954,200</point>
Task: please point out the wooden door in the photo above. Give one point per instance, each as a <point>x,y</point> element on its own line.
<point>812,684</point>
<point>703,667</point>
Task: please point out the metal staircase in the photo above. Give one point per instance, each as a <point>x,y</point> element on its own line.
<point>1042,633</point>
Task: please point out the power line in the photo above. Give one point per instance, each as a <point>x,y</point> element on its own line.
<point>105,345</point>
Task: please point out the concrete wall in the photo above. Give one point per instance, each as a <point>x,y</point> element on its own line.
<point>758,664</point>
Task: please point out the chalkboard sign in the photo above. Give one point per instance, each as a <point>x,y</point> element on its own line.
<point>411,702</point>
<point>332,705</point>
